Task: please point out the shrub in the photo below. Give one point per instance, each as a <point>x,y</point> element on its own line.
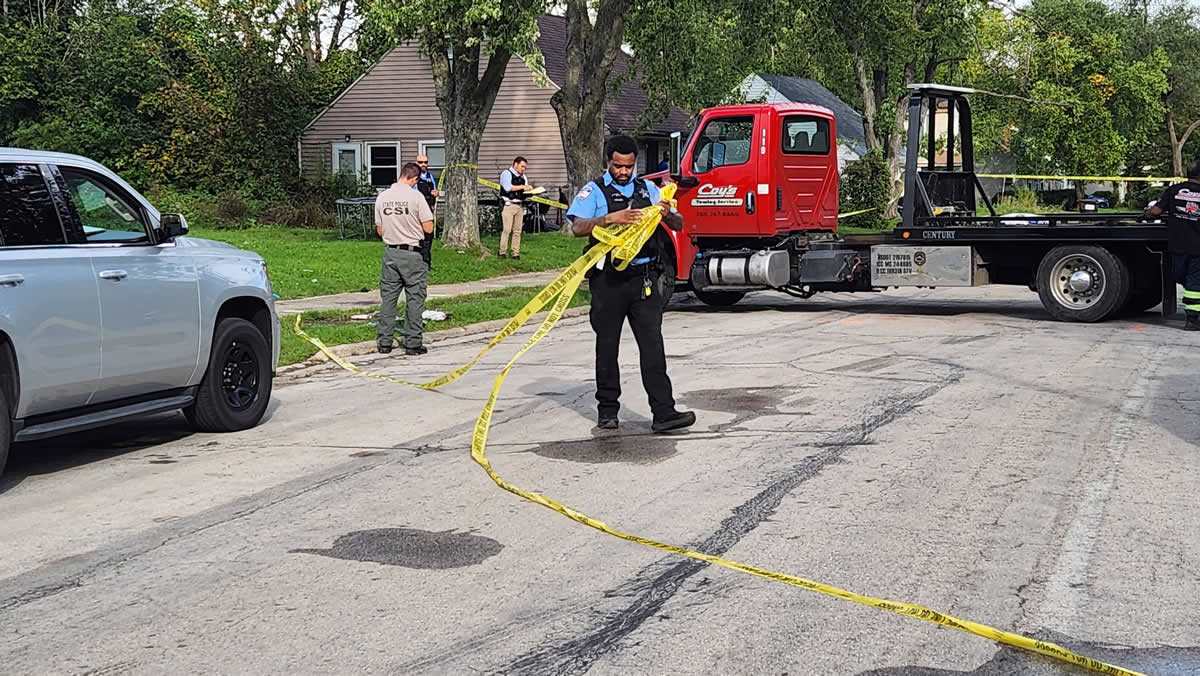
<point>1024,201</point>
<point>231,208</point>
<point>866,184</point>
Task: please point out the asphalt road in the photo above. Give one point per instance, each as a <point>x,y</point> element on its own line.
<point>951,448</point>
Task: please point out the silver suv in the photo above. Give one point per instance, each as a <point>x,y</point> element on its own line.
<point>107,311</point>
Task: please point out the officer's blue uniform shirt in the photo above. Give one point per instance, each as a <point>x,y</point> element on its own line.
<point>591,203</point>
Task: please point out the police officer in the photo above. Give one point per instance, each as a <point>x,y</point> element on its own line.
<point>1181,204</point>
<point>513,187</point>
<point>427,186</point>
<point>402,219</point>
<point>635,293</point>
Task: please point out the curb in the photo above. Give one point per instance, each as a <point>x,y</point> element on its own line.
<point>318,360</point>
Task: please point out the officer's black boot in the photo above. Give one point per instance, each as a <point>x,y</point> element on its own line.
<point>1193,321</point>
<point>675,421</point>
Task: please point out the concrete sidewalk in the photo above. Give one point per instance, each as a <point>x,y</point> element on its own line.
<point>354,301</point>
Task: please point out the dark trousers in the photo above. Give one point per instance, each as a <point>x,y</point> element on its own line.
<point>1187,273</point>
<point>616,298</point>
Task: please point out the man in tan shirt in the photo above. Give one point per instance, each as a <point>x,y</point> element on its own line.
<point>402,220</point>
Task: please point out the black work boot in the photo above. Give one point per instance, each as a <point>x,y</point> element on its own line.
<point>1193,321</point>
<point>676,421</point>
<point>607,422</point>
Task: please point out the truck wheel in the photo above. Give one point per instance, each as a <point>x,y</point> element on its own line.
<point>719,298</point>
<point>1082,283</point>
<point>237,385</point>
<point>5,430</point>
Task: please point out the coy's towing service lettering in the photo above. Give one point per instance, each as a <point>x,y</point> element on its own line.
<point>709,195</point>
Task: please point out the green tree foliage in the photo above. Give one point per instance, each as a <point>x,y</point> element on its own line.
<point>1091,101</point>
<point>1174,28</point>
<point>694,53</point>
<point>881,47</point>
<point>197,95</point>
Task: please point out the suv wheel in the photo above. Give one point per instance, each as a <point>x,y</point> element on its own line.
<point>237,385</point>
<point>5,429</point>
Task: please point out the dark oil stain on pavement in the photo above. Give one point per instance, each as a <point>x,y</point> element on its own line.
<point>1160,661</point>
<point>411,548</point>
<point>637,449</point>
<point>646,449</point>
<point>746,403</point>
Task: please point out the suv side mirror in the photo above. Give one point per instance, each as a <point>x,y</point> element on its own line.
<point>173,225</point>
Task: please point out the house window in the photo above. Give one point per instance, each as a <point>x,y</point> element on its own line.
<point>436,152</point>
<point>805,136</point>
<point>383,163</point>
<point>347,158</point>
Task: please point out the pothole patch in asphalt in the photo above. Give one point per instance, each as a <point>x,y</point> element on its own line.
<point>411,548</point>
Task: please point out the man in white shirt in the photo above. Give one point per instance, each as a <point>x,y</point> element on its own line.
<point>513,186</point>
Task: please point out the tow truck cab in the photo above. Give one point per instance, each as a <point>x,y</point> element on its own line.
<point>756,172</point>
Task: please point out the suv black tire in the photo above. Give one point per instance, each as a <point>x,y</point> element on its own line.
<point>5,429</point>
<point>237,384</point>
<point>719,298</point>
<point>1109,278</point>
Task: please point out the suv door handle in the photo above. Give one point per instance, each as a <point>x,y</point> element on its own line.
<point>12,280</point>
<point>115,275</point>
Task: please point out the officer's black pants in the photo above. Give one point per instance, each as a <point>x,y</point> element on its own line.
<point>614,299</point>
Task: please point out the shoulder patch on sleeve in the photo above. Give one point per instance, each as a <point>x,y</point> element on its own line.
<point>585,192</point>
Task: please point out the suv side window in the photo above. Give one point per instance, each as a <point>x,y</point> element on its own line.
<point>27,213</point>
<point>107,216</point>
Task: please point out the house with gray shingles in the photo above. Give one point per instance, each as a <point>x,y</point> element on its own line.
<point>852,139</point>
<point>389,116</point>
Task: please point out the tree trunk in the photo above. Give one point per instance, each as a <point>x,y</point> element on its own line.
<point>579,104</point>
<point>1176,147</point>
<point>465,100</point>
<point>1178,143</point>
<point>895,145</point>
<point>870,113</point>
<point>460,219</point>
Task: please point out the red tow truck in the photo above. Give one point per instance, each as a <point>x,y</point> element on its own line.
<point>758,190</point>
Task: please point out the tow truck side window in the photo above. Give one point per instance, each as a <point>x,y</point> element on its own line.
<point>107,216</point>
<point>723,142</point>
<point>805,136</point>
<point>27,213</point>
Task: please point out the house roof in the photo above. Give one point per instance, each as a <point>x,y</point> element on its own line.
<point>624,107</point>
<point>803,90</point>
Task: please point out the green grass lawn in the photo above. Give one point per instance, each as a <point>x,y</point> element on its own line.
<point>306,263</point>
<point>337,327</point>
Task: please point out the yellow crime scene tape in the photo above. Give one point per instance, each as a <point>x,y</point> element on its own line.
<point>1101,179</point>
<point>496,186</point>
<point>624,242</point>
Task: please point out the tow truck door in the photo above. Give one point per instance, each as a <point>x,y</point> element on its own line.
<point>806,194</point>
<point>724,161</point>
